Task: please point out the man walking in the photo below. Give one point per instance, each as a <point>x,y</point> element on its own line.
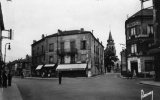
<point>4,76</point>
<point>60,77</point>
<point>9,79</point>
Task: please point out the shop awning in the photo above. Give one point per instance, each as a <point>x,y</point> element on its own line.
<point>39,67</point>
<point>70,67</point>
<point>49,65</point>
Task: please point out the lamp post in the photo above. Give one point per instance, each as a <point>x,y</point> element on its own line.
<point>9,47</point>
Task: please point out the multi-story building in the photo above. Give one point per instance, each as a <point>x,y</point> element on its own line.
<point>139,38</point>
<point>73,52</point>
<point>1,29</point>
<point>155,50</point>
<point>19,66</point>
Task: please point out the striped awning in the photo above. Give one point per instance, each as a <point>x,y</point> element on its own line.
<point>70,67</point>
<point>39,67</point>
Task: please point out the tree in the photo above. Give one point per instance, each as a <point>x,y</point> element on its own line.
<point>109,59</point>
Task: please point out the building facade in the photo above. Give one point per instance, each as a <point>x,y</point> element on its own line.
<point>19,66</point>
<point>74,48</point>
<point>139,39</point>
<point>1,29</point>
<point>155,49</point>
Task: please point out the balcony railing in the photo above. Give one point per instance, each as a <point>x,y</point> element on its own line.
<point>70,51</point>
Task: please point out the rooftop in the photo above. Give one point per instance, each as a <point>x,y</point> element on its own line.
<point>63,33</point>
<point>147,12</point>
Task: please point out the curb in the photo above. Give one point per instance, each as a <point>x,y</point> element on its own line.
<point>152,83</point>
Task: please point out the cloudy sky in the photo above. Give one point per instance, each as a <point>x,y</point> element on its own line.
<point>31,18</point>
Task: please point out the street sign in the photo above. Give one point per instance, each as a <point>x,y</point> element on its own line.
<point>146,95</point>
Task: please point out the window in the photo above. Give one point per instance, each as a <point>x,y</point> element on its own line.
<point>83,45</point>
<point>72,59</point>
<point>51,47</point>
<point>149,66</point>
<point>134,48</point>
<point>150,29</point>
<point>50,59</point>
<point>62,46</point>
<point>94,49</point>
<point>98,51</point>
<point>42,48</point>
<point>138,30</point>
<point>133,31</point>
<point>37,50</point>
<point>72,45</point>
<point>83,58</point>
<point>62,59</point>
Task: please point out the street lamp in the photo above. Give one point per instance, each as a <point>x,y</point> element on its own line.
<point>9,47</point>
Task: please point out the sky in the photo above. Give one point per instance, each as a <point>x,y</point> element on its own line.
<point>31,18</point>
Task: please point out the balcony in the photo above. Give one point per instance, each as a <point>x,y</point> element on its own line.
<point>69,51</point>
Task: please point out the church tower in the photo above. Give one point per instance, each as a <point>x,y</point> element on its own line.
<point>110,43</point>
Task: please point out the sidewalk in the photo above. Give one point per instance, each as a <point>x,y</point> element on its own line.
<point>10,93</point>
<point>153,83</point>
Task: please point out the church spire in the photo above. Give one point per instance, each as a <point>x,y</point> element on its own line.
<point>110,37</point>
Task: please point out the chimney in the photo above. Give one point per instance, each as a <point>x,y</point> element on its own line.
<point>34,41</point>
<point>43,36</point>
<point>98,39</point>
<point>82,29</point>
<point>92,31</point>
<point>60,31</point>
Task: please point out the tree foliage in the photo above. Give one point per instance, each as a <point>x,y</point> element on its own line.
<point>109,59</point>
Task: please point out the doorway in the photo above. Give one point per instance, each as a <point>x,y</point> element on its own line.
<point>134,68</point>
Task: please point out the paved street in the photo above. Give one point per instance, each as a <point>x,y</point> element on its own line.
<point>98,88</point>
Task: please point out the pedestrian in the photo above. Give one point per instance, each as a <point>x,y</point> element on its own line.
<point>60,77</point>
<point>43,75</point>
<point>22,75</point>
<point>9,79</point>
<point>4,76</point>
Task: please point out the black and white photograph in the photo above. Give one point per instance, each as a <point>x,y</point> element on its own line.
<point>79,49</point>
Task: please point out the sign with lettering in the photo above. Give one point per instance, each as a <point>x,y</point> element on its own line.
<point>133,24</point>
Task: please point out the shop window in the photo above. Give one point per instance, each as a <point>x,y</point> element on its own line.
<point>72,59</point>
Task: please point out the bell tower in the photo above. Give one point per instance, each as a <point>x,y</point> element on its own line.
<point>110,43</point>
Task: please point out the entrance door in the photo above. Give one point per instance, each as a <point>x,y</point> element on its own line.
<point>134,68</point>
